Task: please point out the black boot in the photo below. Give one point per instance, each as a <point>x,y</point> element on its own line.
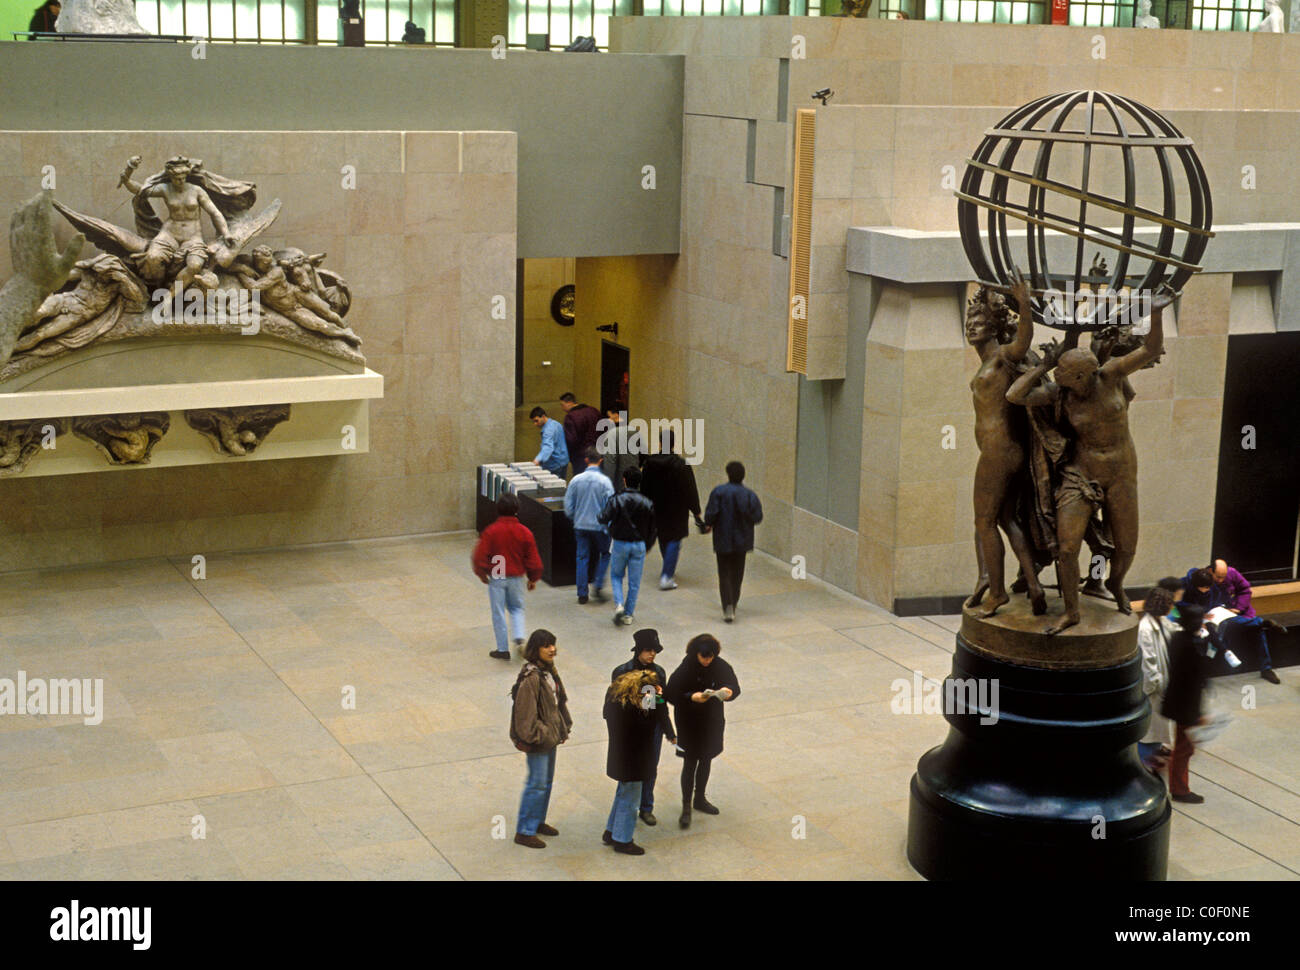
<point>703,804</point>
<point>685,820</point>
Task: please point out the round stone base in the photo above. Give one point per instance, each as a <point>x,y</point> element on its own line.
<point>1039,777</point>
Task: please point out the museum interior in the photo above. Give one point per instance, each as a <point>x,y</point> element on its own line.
<point>343,254</point>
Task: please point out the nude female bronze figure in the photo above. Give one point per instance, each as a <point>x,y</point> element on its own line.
<point>1000,433</point>
<point>1100,469</point>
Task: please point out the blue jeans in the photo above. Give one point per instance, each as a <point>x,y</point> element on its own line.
<point>1252,629</point>
<point>671,550</point>
<point>537,791</point>
<point>626,557</point>
<point>648,786</point>
<point>592,544</point>
<point>507,595</point>
<point>622,816</point>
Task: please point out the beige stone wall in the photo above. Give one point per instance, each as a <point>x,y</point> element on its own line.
<point>910,98</point>
<point>425,240</point>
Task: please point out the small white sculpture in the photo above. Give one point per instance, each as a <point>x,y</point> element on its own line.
<point>1272,22</point>
<point>98,17</point>
<point>1144,18</point>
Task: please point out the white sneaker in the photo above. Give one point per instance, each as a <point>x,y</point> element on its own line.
<point>628,619</point>
<point>666,582</point>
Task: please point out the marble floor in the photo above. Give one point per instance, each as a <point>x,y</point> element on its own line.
<point>224,718</point>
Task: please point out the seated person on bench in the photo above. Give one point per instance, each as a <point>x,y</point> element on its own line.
<point>1219,585</point>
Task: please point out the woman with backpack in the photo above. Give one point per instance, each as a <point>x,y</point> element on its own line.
<point>539,724</point>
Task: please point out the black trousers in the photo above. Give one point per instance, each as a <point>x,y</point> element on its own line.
<point>731,573</point>
<point>695,777</point>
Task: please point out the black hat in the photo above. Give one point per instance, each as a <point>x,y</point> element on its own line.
<point>646,640</point>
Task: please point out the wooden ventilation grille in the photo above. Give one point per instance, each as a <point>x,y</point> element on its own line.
<point>796,354</point>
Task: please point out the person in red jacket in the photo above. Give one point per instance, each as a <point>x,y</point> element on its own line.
<point>505,558</point>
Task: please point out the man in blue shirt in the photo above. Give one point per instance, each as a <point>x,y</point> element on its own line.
<point>583,500</point>
<point>554,455</point>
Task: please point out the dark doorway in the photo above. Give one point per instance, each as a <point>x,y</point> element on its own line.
<point>615,362</point>
<point>1258,498</point>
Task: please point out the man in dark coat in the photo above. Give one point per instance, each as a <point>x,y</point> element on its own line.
<point>580,432</point>
<point>630,719</point>
<point>731,515</point>
<point>644,647</point>
<point>697,690</point>
<point>1188,672</point>
<point>668,482</point>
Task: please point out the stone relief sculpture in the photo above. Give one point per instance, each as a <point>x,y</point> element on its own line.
<point>39,268</point>
<point>237,431</point>
<point>165,277</point>
<point>73,318</point>
<point>98,17</point>
<point>21,441</point>
<point>124,439</point>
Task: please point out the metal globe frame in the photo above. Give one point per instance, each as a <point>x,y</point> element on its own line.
<point>990,171</point>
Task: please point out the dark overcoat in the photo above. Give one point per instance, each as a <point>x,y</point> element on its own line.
<point>700,726</point>
<point>631,739</point>
<point>668,482</point>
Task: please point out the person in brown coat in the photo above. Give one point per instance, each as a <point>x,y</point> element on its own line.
<point>539,724</point>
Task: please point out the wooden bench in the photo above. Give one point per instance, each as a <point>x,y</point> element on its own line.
<point>1275,600</point>
<point>1279,602</point>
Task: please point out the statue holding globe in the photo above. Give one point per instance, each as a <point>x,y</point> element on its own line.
<point>1021,794</point>
<point>1067,468</point>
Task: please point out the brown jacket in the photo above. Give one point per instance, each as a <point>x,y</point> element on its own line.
<point>541,718</point>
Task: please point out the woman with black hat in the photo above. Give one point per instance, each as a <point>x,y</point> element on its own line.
<point>645,645</point>
<point>697,690</point>
<point>630,705</point>
<point>1188,673</point>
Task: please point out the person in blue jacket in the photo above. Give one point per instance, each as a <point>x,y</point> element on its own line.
<point>731,515</point>
<point>554,456</point>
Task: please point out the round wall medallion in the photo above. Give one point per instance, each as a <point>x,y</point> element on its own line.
<point>562,305</point>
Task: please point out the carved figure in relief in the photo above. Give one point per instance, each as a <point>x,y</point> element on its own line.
<point>288,286</point>
<point>124,439</point>
<point>237,431</point>
<point>39,268</point>
<point>73,318</point>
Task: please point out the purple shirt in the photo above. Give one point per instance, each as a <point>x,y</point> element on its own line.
<point>1236,590</point>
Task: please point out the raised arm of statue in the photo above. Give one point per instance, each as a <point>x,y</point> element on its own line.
<point>39,268</point>
<point>1015,351</point>
<point>1154,344</point>
<point>125,179</point>
<point>1030,389</point>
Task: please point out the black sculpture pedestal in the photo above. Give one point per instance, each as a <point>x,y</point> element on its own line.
<point>1045,782</point>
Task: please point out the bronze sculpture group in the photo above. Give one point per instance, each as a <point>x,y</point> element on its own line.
<point>1057,465</point>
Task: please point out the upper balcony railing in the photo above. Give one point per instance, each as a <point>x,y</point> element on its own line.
<point>553,24</point>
